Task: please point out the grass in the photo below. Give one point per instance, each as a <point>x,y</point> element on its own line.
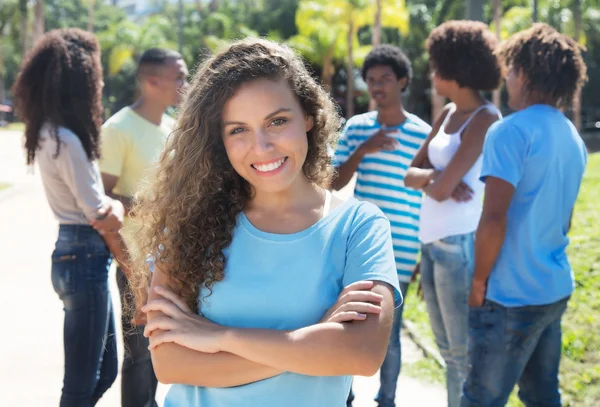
<point>580,364</point>
<point>14,127</point>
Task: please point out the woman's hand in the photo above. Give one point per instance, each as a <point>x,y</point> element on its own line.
<point>180,325</point>
<point>110,218</point>
<point>354,303</point>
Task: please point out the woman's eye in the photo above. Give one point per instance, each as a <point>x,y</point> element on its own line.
<point>237,130</point>
<point>279,121</point>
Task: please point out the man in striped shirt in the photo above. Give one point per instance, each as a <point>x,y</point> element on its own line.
<point>380,146</point>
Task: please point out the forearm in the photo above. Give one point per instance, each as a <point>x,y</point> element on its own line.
<point>176,364</point>
<point>346,171</point>
<point>126,201</point>
<point>115,243</point>
<point>418,178</point>
<point>328,349</point>
<point>488,243</point>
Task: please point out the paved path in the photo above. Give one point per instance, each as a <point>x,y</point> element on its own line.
<point>31,350</point>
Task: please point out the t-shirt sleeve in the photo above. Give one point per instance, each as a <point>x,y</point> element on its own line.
<point>504,153</point>
<point>114,151</point>
<point>82,177</point>
<point>370,254</point>
<point>343,150</point>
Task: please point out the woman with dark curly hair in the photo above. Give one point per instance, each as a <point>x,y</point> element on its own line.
<point>58,96</point>
<point>533,164</point>
<point>447,169</point>
<point>263,280</point>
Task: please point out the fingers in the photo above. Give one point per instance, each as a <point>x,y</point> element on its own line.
<point>161,337</point>
<point>347,317</point>
<point>162,323</point>
<point>462,193</point>
<point>171,296</point>
<point>360,296</point>
<point>359,285</point>
<point>360,307</point>
<point>164,306</point>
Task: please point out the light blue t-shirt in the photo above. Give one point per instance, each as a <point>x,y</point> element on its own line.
<point>539,151</point>
<point>380,180</point>
<point>286,282</point>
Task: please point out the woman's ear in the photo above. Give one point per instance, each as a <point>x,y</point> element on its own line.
<point>309,123</point>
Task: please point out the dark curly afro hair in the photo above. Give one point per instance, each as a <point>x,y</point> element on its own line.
<point>389,55</point>
<point>464,51</point>
<point>552,63</point>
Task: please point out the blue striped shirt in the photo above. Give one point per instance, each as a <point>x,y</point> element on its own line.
<point>380,181</point>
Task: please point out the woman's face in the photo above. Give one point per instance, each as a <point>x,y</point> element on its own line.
<point>442,86</point>
<point>515,83</point>
<point>264,133</point>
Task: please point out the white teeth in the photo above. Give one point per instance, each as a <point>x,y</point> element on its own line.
<point>269,167</point>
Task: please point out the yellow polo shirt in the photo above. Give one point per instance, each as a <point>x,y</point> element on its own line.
<point>131,148</point>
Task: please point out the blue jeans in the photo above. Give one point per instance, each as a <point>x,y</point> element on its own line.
<point>138,381</point>
<point>509,346</point>
<point>390,369</point>
<point>80,265</point>
<point>446,275</point>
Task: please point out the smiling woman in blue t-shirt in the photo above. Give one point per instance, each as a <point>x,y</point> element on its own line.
<point>263,280</point>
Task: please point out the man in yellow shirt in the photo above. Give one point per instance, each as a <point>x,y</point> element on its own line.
<point>132,141</point>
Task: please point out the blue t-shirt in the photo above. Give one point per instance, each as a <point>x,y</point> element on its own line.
<point>539,151</point>
<point>286,282</point>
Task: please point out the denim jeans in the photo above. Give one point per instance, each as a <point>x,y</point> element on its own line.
<point>446,275</point>
<point>80,265</point>
<point>390,369</point>
<point>509,346</point>
<point>138,381</point>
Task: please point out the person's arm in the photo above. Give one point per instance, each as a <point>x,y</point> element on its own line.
<point>504,159</point>
<point>490,235</point>
<point>442,186</point>
<point>328,349</point>
<point>322,349</point>
<point>421,171</point>
<point>110,181</point>
<point>174,363</point>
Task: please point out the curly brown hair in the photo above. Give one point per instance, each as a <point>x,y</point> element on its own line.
<point>464,51</point>
<point>551,62</point>
<point>188,214</point>
<point>60,83</point>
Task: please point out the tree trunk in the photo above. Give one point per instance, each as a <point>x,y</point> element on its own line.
<point>535,13</point>
<point>38,22</point>
<point>577,17</point>
<point>328,70</point>
<point>91,15</point>
<point>497,4</point>
<point>350,73</point>
<point>24,26</point>
<point>376,36</point>
<point>475,10</point>
<point>376,39</point>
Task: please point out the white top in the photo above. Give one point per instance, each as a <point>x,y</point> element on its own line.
<point>450,218</point>
<point>72,182</point>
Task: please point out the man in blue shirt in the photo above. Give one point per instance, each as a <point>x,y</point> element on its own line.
<point>533,163</point>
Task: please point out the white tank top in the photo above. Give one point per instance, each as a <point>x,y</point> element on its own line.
<point>449,218</point>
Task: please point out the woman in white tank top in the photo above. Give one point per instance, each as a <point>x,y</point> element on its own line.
<point>447,169</point>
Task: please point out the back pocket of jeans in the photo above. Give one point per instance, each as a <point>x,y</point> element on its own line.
<point>64,268</point>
